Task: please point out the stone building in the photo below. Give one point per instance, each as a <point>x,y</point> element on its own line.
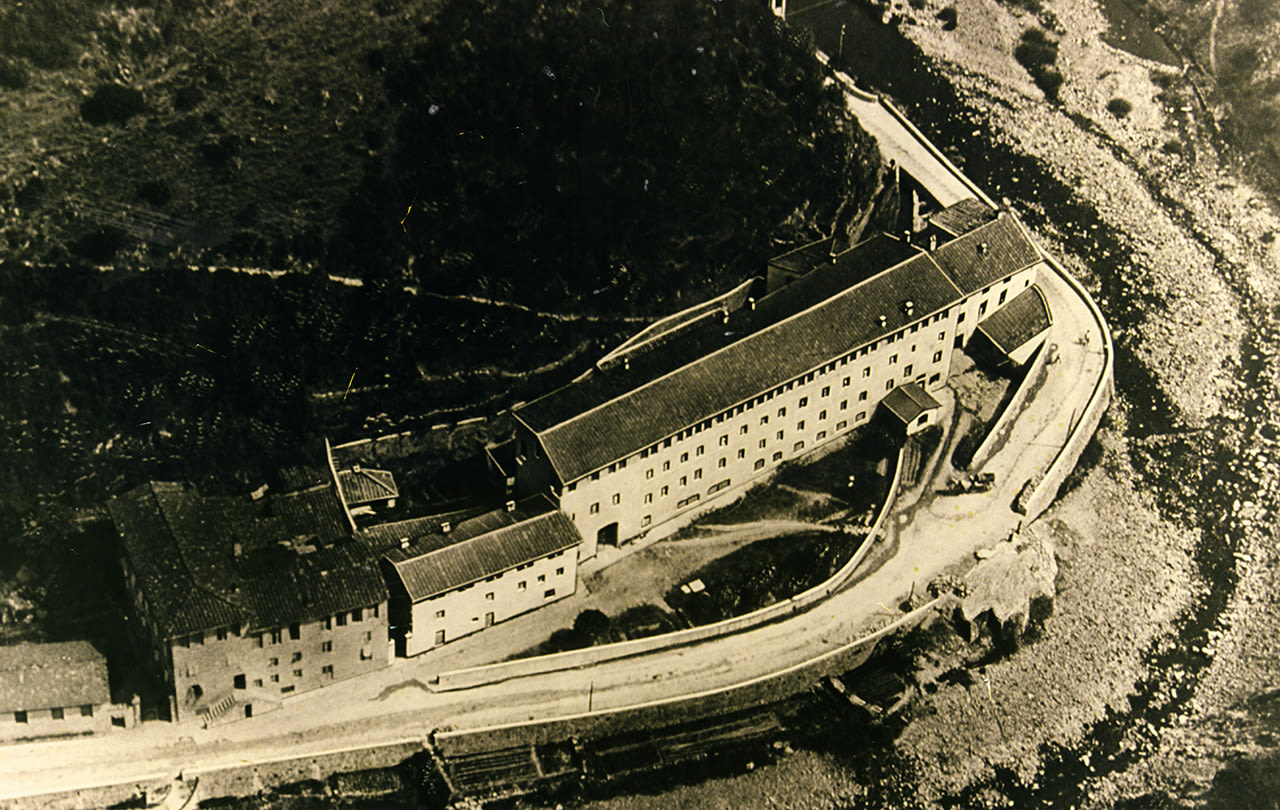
<point>56,689</point>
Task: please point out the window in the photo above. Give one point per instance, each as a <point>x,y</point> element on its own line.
<point>297,673</point>
<point>439,614</point>
<point>845,383</point>
<point>327,670</point>
<point>762,444</point>
<point>906,370</point>
<point>663,492</point>
<point>937,356</point>
<point>781,433</point>
<point>648,497</point>
<point>759,463</point>
<point>684,480</point>
<point>595,508</point>
<point>666,465</point>
<point>861,415</point>
<point>982,309</point>
<point>295,632</point>
<point>866,372</point>
<point>826,390</point>
<point>841,425</point>
<point>924,417</point>
<point>722,462</point>
<point>782,412</point>
<point>56,714</point>
<point>276,636</point>
<point>862,396</point>
<point>888,385</point>
<point>617,498</point>
<point>273,662</point>
<point>542,577</point>
<point>684,457</point>
<point>326,646</point>
<point>488,597</point>
<point>699,451</point>
<point>960,317</point>
<point>1003,293</point>
<point>648,474</point>
<point>357,615</point>
<point>801,425</point>
<point>822,434</point>
<point>257,640</point>
<point>646,520</point>
<point>724,441</point>
<point>19,717</point>
<point>742,453</point>
<point>942,336</point>
<point>595,476</point>
<point>257,683</point>
<point>237,682</point>
<point>743,430</point>
<point>560,571</point>
<point>804,401</point>
<point>777,456</point>
<point>521,585</point>
<point>86,710</point>
<point>548,593</point>
<point>893,358</point>
<point>222,634</point>
<point>697,474</point>
<point>342,619</point>
<point>844,404</point>
<point>797,447</point>
<point>297,656</point>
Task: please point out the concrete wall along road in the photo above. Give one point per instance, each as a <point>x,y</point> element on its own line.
<point>657,714</point>
<point>255,777</point>
<point>574,659</point>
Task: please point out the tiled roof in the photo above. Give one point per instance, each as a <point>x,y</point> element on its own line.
<point>361,485</point>
<point>909,401</point>
<point>182,547</point>
<point>48,676</point>
<point>609,415</point>
<point>986,254</point>
<point>962,217</point>
<point>1018,321</point>
<point>483,546</point>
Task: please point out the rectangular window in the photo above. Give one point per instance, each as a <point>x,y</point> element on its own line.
<point>742,453</point>
<point>841,425</point>
<point>684,457</point>
<point>699,451</point>
<point>893,358</point>
<point>777,456</point>
<point>595,476</point>
<point>277,635</point>
<point>1003,293</point>
<point>724,441</point>
<point>844,404</point>
<point>521,585</point>
<point>297,673</point>
<point>326,646</point>
<point>762,444</point>
<point>273,662</point>
<point>542,577</point>
<point>764,420</point>
<point>342,619</point>
<point>595,508</point>
<point>697,474</point>
<point>327,670</point>
<point>648,497</point>
<point>781,433</point>
<point>548,593</point>
<point>803,401</point>
<point>488,597</point>
<point>357,615</point>
<point>646,520</point>
<point>663,492</point>
<point>222,634</point>
<point>937,357</point>
<point>822,434</point>
<point>296,657</point>
<point>797,447</point>
<point>942,336</point>
<point>439,614</point>
<point>648,474</point>
<point>743,430</point>
<point>924,417</point>
<point>888,385</point>
<point>328,624</point>
<point>866,372</point>
<point>906,370</point>
<point>722,462</point>
<point>257,640</point>
<point>960,317</point>
<point>56,714</point>
<point>822,414</point>
<point>826,390</point>
<point>20,717</point>
<point>782,412</point>
<point>257,683</point>
<point>684,480</point>
<point>801,425</point>
<point>759,463</point>
<point>617,498</point>
<point>862,415</point>
<point>862,396</point>
<point>845,383</point>
<point>86,710</point>
<point>560,571</point>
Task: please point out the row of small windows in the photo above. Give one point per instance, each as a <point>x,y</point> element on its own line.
<point>57,713</point>
<point>804,401</point>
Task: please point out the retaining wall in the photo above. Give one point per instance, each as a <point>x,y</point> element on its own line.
<point>249,780</point>
<point>576,659</point>
<point>1013,408</point>
<point>756,692</point>
<point>1046,488</point>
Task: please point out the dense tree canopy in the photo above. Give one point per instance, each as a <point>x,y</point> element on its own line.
<point>615,151</point>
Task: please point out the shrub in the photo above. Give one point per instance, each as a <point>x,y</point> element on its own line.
<point>154,192</point>
<point>13,73</point>
<point>948,17</point>
<point>112,104</point>
<point>1172,148</point>
<point>1119,107</point>
<point>1038,53</point>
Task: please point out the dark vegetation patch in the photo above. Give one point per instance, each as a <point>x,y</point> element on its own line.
<point>1119,107</point>
<point>101,244</point>
<point>1038,53</point>
<point>112,104</point>
<point>155,192</point>
<point>13,73</point>
<point>948,17</point>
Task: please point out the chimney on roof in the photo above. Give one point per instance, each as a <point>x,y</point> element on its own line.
<point>982,248</point>
<point>237,550</point>
<point>751,304</point>
<point>404,542</point>
<point>933,242</point>
<point>258,493</point>
<point>511,506</point>
<point>626,362</point>
<point>355,468</point>
<point>909,307</point>
<point>883,322</point>
<point>724,316</point>
<point>446,527</point>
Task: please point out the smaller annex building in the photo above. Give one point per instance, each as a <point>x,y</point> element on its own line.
<point>56,689</point>
<point>457,580</point>
<point>246,599</point>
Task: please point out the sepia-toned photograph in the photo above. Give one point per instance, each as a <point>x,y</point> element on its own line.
<point>639,404</point>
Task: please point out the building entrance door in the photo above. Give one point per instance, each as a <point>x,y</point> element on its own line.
<point>608,536</point>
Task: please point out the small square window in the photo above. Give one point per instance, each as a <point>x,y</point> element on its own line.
<point>488,597</point>
<point>866,372</point>
<point>20,717</point>
<point>762,443</point>
<point>357,615</point>
<point>275,679</point>
<point>906,370</point>
<point>595,508</point>
<point>560,571</point>
<point>297,656</point>
<point>826,390</point>
<point>646,520</point>
<point>297,673</point>
<point>782,412</point>
<point>893,358</point>
<point>548,593</point>
<point>804,401</point>
<point>440,614</point>
<point>801,425</point>
<point>257,683</point>
<point>663,492</point>
<point>327,670</point>
<point>684,480</point>
<point>742,453</point>
<point>862,396</point>
<point>845,383</point>
<point>684,457</point>
<point>57,713</point>
<point>273,662</point>
<point>822,414</point>
<point>617,498</point>
<point>724,441</point>
<point>722,462</point>
<point>326,646</point>
<point>699,451</point>
<point>86,710</point>
<point>542,577</point>
<point>841,425</point>
<point>862,415</point>
<point>521,585</point>
<point>759,464</point>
